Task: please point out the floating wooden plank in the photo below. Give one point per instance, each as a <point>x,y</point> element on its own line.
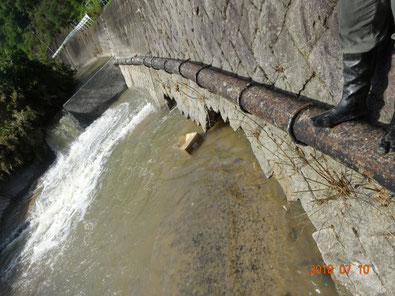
<point>192,141</point>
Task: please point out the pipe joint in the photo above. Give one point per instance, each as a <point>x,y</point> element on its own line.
<point>139,60</point>
<point>180,65</point>
<point>198,72</point>
<point>248,85</point>
<point>147,61</point>
<point>153,64</point>
<point>291,122</point>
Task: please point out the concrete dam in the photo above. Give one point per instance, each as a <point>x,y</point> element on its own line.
<point>253,211</point>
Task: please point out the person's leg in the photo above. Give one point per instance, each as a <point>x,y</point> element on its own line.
<point>393,15</point>
<point>362,25</point>
<point>388,142</point>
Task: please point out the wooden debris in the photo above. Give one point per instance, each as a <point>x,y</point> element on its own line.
<point>192,141</point>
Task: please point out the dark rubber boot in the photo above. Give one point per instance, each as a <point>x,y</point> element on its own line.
<point>358,71</point>
<point>387,144</point>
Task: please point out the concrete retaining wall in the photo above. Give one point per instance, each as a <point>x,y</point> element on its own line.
<point>97,94</point>
<point>292,45</point>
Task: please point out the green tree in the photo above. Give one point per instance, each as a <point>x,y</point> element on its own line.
<point>33,87</point>
<point>30,94</point>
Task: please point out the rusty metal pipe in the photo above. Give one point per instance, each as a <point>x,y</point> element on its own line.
<point>352,143</point>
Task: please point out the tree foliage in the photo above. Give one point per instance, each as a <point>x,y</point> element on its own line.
<point>32,86</point>
<point>29,25</point>
<point>31,92</point>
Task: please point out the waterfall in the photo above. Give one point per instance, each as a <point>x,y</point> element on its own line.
<point>60,136</point>
<point>69,186</point>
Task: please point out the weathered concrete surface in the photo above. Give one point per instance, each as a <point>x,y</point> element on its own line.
<point>97,94</point>
<point>292,45</point>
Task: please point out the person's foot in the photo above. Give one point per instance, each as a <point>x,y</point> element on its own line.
<point>357,71</point>
<point>387,144</point>
<point>335,116</point>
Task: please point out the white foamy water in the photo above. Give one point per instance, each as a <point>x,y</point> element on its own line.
<point>69,186</point>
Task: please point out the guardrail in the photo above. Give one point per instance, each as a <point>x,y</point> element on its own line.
<point>84,24</point>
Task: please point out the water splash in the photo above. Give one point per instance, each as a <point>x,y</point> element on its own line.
<point>62,134</point>
<point>69,186</point>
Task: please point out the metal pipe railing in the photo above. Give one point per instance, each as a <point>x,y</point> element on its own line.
<point>352,143</point>
<point>84,24</point>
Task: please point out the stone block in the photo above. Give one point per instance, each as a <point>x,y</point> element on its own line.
<point>230,54</point>
<point>245,55</point>
<point>326,60</point>
<point>306,22</point>
<point>232,23</point>
<point>259,75</point>
<point>261,157</point>
<point>209,9</point>
<point>332,252</point>
<point>216,52</point>
<point>286,2</point>
<point>238,5</point>
<point>317,90</point>
<point>271,20</point>
<point>186,7</point>
<point>263,54</point>
<point>222,6</point>
<point>245,27</point>
<point>192,141</point>
<point>218,26</point>
<point>257,4</point>
<point>292,62</point>
<point>376,246</point>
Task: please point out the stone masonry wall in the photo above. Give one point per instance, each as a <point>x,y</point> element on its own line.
<point>291,44</point>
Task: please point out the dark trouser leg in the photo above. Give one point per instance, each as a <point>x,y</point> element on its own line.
<point>393,14</point>
<point>388,142</point>
<point>362,25</point>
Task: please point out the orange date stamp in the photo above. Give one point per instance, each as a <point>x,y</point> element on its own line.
<point>342,269</point>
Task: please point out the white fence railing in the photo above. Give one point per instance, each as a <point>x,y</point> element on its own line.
<point>84,24</point>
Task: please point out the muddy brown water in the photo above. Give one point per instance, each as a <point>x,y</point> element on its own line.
<point>156,221</point>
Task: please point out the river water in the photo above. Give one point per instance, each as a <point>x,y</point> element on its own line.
<point>123,211</point>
